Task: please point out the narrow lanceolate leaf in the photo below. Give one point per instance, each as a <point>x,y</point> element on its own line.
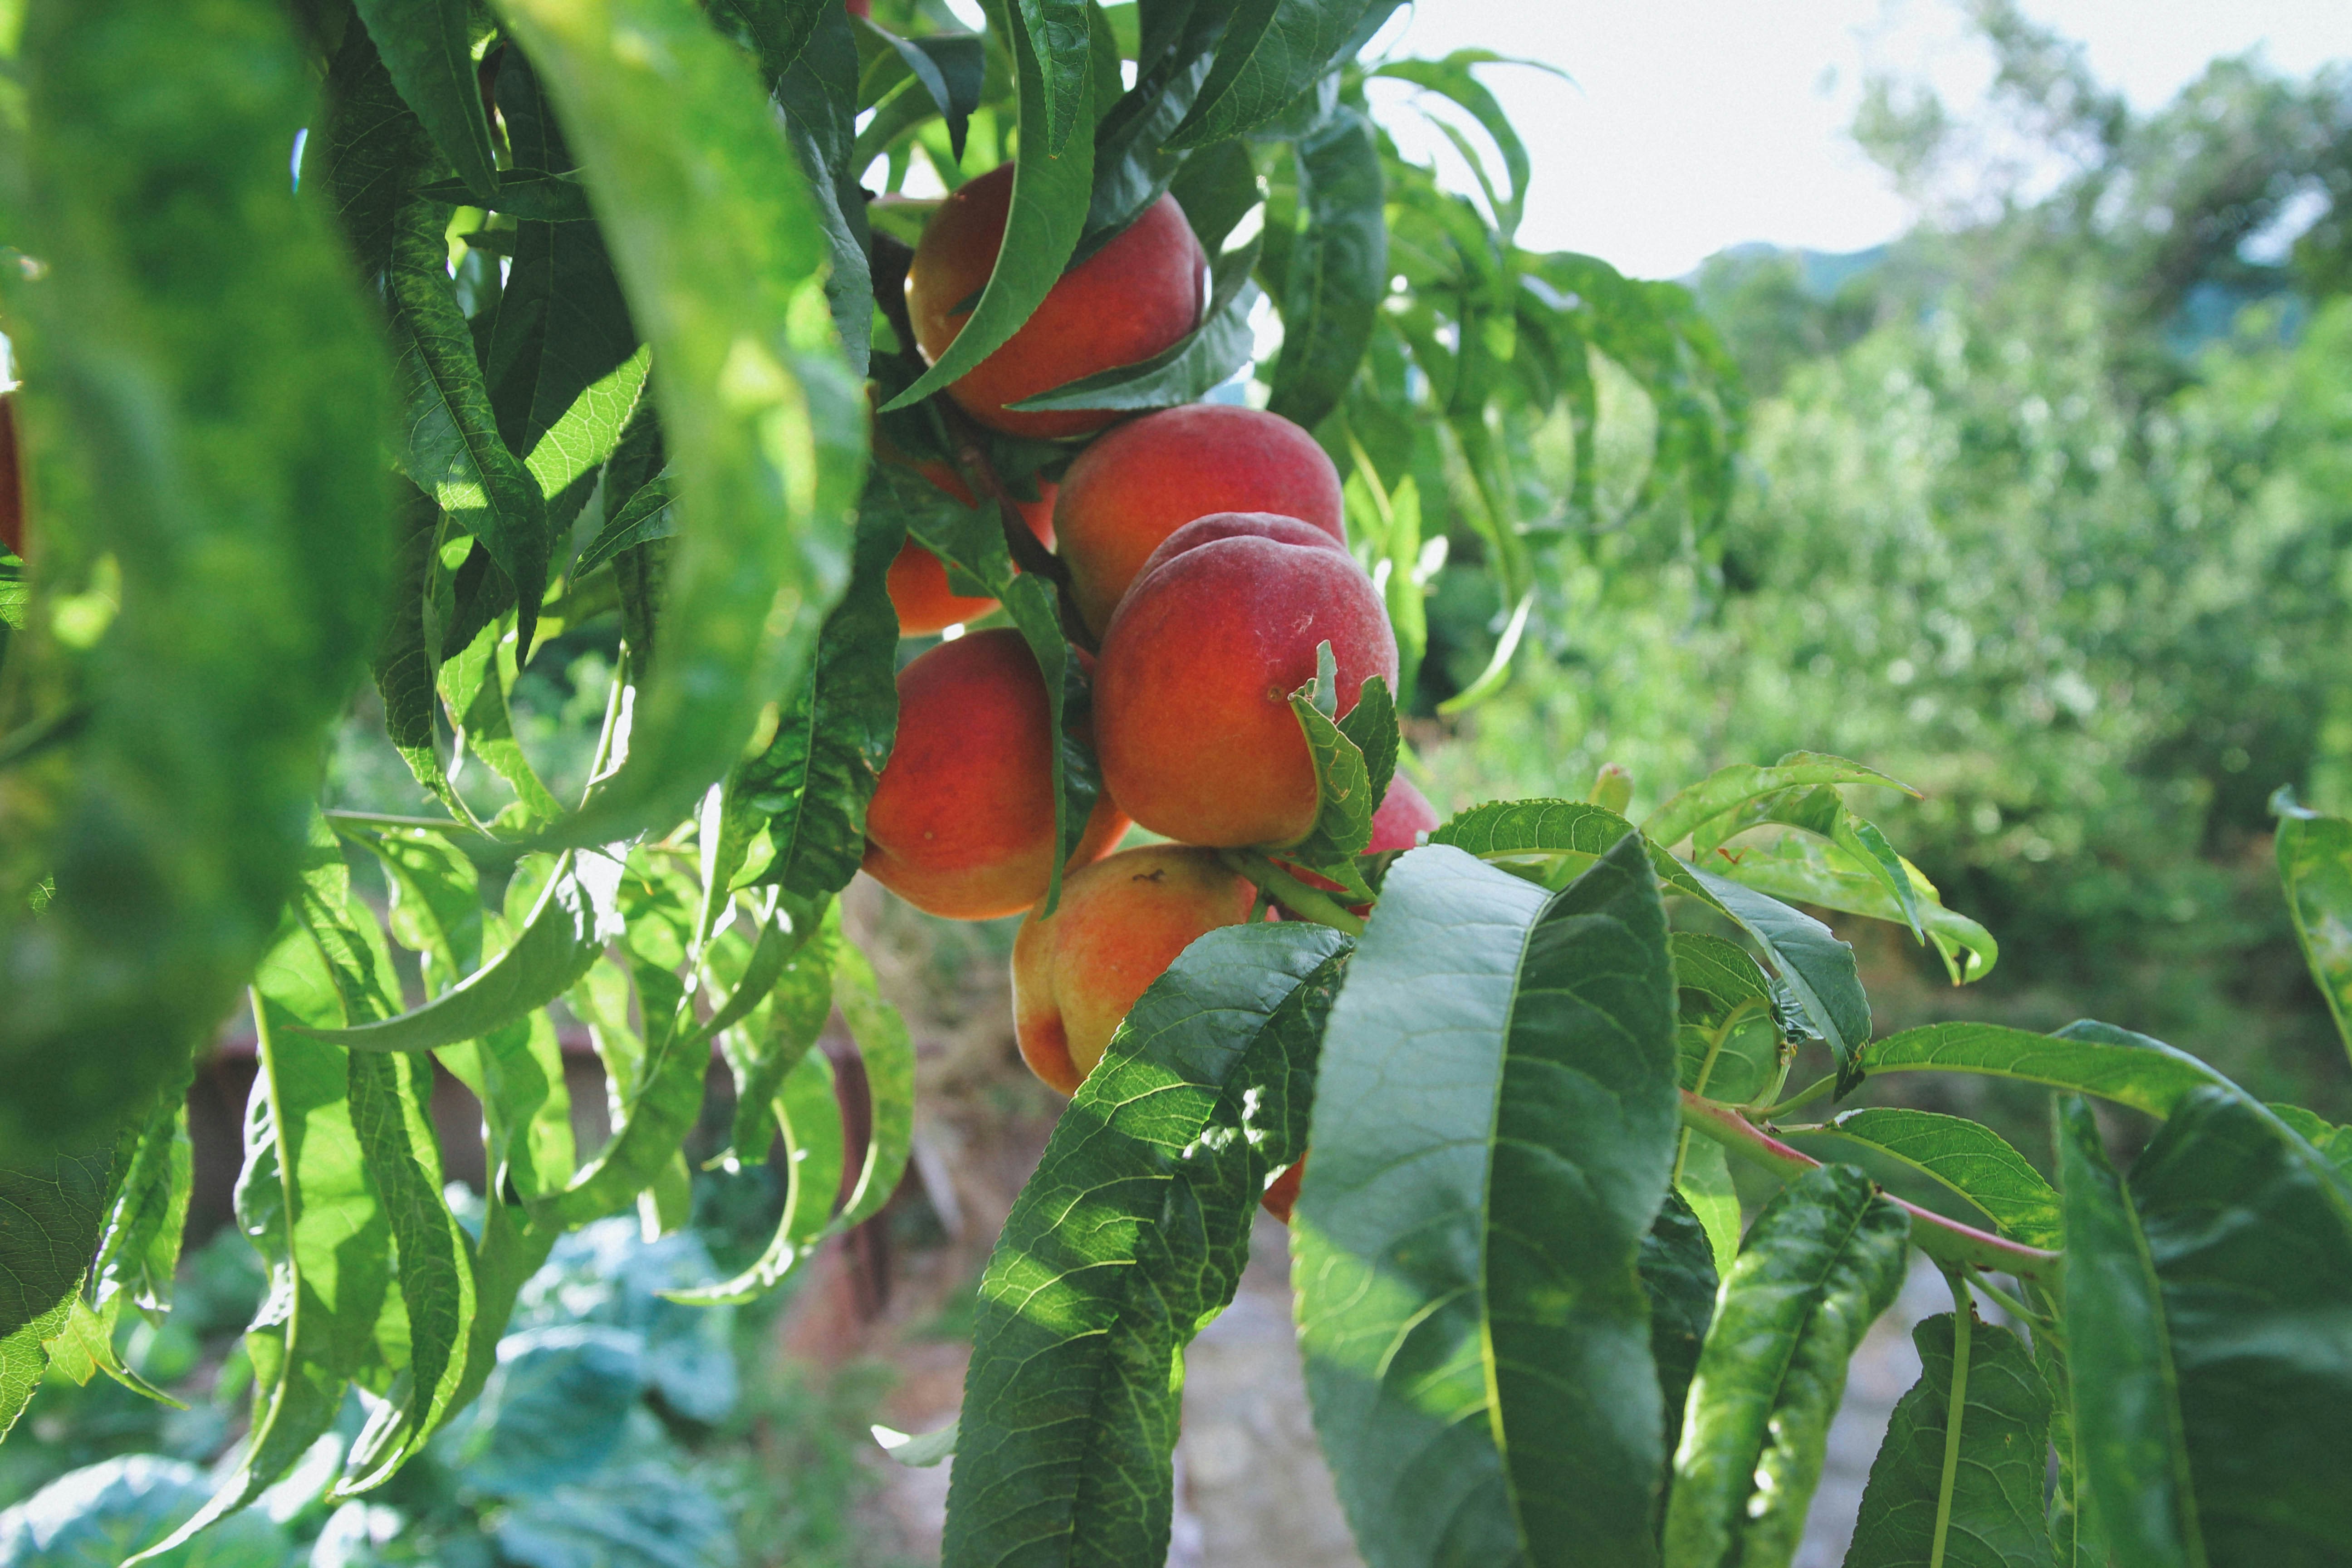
<point>643,517</point>
<point>714,234</point>
<point>1822,813</point>
<point>817,92</point>
<point>2130,1070</point>
<point>1815,963</point>
<point>1041,229</point>
<point>1970,1159</point>
<point>452,449</point>
<point>1350,774</point>
<point>215,399</point>
<point>803,1109</point>
<point>1570,834</point>
<point>1729,788</point>
<point>1057,31</point>
<point>2251,1245</point>
<point>140,1248</point>
<point>812,784</point>
<point>427,46</point>
<point>888,1055</point>
<point>1129,1238</point>
<point>575,920</point>
<point>1272,51</point>
<point>1470,1306</point>
<point>1678,1274</point>
<point>769,1042</point>
<point>2132,1454</point>
<point>52,1215</point>
<point>1337,269</point>
<point>1799,871</point>
<point>1822,1261</point>
<point>474,681</point>
<point>1188,368</point>
<point>1965,1490</point>
<point>2315,859</point>
<point>1730,1044</point>
<point>403,661</point>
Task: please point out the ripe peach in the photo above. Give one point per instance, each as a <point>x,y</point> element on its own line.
<point>1121,922</point>
<point>1281,1194</point>
<point>12,480</point>
<point>1127,302</point>
<point>1403,814</point>
<point>1145,479</point>
<point>1193,692</point>
<point>918,579</point>
<point>963,819</point>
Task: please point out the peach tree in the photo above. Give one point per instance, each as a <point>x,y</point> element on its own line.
<point>398,340</point>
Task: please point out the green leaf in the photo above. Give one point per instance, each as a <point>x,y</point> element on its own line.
<point>1816,965</point>
<point>1452,77</point>
<point>888,1055</point>
<point>1729,1039</point>
<point>534,195</point>
<point>1272,51</point>
<point>436,907</point>
<point>1972,1497</point>
<point>775,31</point>
<point>818,93</point>
<point>1703,1180</point>
<point>778,1032</point>
<point>403,658</point>
<point>516,1073</point>
<point>2315,859</point>
<point>804,1111</point>
<point>52,1218</point>
<point>473,683</point>
<point>139,1251</point>
<point>574,921</point>
<point>2135,1071</point>
<point>1336,274</point>
<point>23,1360</point>
<point>1127,1239</point>
<point>1572,833</point>
<point>1678,1275</point>
<point>1216,186</point>
<point>428,50</point>
<point>215,397</point>
<point>1729,788</point>
<point>1822,1260</point>
<point>1132,164</point>
<point>644,516</point>
<point>2126,1393</point>
<point>1470,1309</point>
<point>716,238</point>
<point>1186,370</point>
<point>1972,1161</point>
<point>1824,875</point>
<point>2251,1244</point>
<point>812,783</point>
<point>1346,755</point>
<point>1059,32</point>
<point>1041,230</point>
<point>98,1516</point>
<point>1820,811</point>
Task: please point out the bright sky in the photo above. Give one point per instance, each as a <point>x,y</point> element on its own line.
<point>1703,124</point>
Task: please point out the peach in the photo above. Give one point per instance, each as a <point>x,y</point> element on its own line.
<point>1193,690</point>
<point>1121,922</point>
<point>1404,814</point>
<point>918,579</point>
<point>962,823</point>
<point>1133,298</point>
<point>1141,481</point>
<point>1281,1194</point>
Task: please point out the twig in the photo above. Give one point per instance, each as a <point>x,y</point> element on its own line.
<point>1306,902</point>
<point>1947,1241</point>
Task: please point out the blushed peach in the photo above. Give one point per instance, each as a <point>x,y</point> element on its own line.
<point>961,822</point>
<point>1121,922</point>
<point>1134,297</point>
<point>1193,692</point>
<point>1141,481</point>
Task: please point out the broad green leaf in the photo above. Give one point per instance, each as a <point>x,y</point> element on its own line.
<point>1131,1237</point>
<point>1728,788</point>
<point>1703,1180</point>
<point>23,1360</point>
<point>802,1107</point>
<point>573,920</point>
<point>2135,1071</point>
<point>2076,1538</point>
<point>1132,163</point>
<point>1815,963</point>
<point>888,1055</point>
<point>516,1072</point>
<point>1972,1161</point>
<point>1216,186</point>
<point>2315,859</point>
<point>811,784</point>
<point>2335,1143</point>
<point>435,907</point>
<point>1272,51</point>
<point>1337,273</point>
<point>1822,1260</point>
<point>1572,833</point>
<point>1678,1274</point>
<point>776,31</point>
<point>427,48</point>
<point>214,401</point>
<point>1470,1310</point>
<point>1729,1039</point>
<point>2133,1454</point>
<point>1059,33</point>
<point>1041,230</point>
<point>53,1217</point>
<point>1187,369</point>
<point>2253,1253</point>
<point>534,195</point>
<point>713,232</point>
<point>1823,875</point>
<point>139,1251</point>
<point>1971,1497</point>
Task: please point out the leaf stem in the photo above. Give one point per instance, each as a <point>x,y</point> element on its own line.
<point>380,819</point>
<point>1799,1100</point>
<point>1307,903</point>
<point>1947,1241</point>
<point>1955,1414</point>
<point>2011,1304</point>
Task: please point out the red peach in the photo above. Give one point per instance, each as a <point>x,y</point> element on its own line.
<point>1127,302</point>
<point>1281,1194</point>
<point>961,822</point>
<point>1145,479</point>
<point>1193,692</point>
<point>1121,922</point>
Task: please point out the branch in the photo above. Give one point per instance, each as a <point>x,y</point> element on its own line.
<point>1947,1241</point>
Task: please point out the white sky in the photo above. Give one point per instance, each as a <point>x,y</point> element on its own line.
<point>1703,124</point>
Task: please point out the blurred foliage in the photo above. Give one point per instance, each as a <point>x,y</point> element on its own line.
<point>2047,510</point>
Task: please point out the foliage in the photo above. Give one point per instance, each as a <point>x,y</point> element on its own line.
<point>627,306</point>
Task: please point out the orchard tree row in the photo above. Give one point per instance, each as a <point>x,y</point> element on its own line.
<point>624,323</point>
